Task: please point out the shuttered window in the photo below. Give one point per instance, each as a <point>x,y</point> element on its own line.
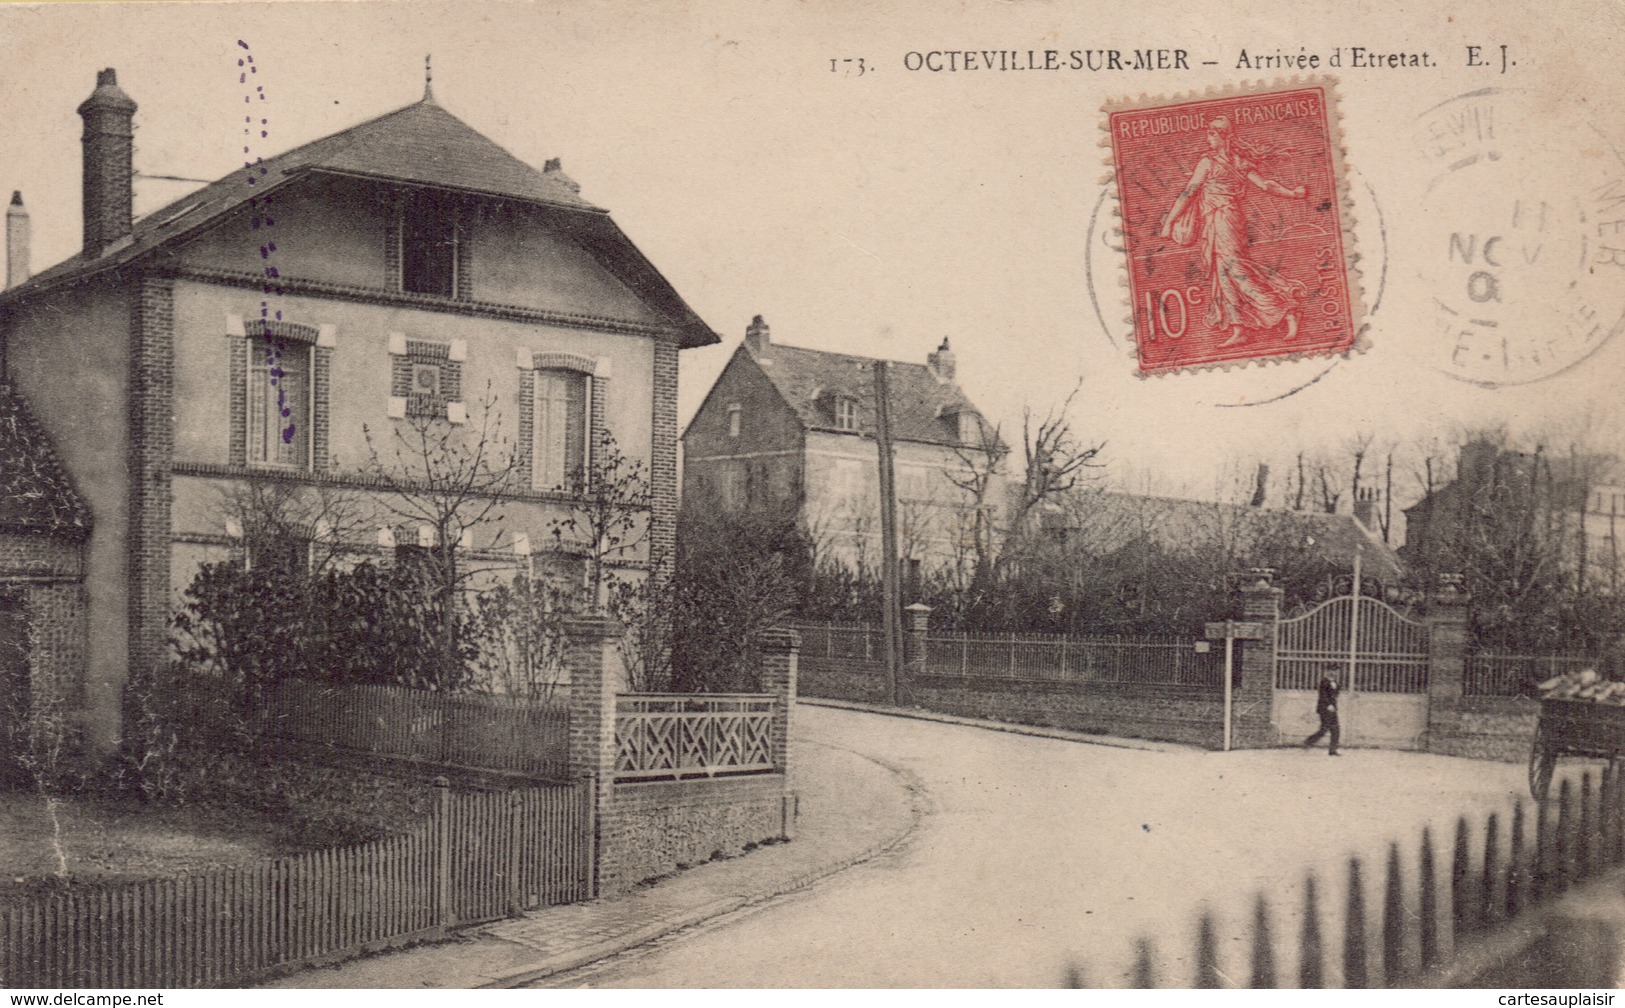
<point>562,422</point>
<point>279,413</point>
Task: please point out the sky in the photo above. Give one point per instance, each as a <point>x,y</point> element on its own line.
<point>878,214</point>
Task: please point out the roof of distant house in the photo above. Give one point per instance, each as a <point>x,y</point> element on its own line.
<point>922,407</point>
<point>421,144</point>
<point>1113,518</point>
<point>35,493</point>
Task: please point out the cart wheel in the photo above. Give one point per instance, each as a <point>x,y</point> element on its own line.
<point>1541,762</point>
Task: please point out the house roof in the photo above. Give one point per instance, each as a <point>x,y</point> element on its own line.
<point>35,493</point>
<point>810,380</point>
<point>421,144</point>
<point>1112,518</point>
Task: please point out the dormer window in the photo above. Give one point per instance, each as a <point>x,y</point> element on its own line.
<point>965,426</point>
<point>846,413</point>
<point>429,249</point>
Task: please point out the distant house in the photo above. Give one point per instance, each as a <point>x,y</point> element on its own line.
<point>1547,516</point>
<point>248,334</point>
<point>1104,521</point>
<point>790,430</point>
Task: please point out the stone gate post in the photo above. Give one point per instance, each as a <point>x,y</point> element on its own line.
<point>917,626</point>
<point>1447,659</point>
<point>1254,724</point>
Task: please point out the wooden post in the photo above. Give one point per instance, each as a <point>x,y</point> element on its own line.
<point>1517,868</point>
<point>1393,921</point>
<point>892,599</point>
<point>1430,903</point>
<point>442,852</point>
<point>1311,954</point>
<point>516,840</point>
<point>1207,955</point>
<point>1263,946</point>
<point>1462,905</point>
<point>1490,900</point>
<point>1354,957</point>
<point>1229,681</point>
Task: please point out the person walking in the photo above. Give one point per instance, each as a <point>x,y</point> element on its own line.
<point>1326,707</point>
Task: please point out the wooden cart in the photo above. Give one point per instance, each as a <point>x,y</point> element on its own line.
<point>1573,728</point>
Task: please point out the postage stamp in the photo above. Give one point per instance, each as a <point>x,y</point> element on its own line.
<point>1235,226</point>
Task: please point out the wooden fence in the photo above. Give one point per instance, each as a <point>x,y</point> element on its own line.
<point>1492,878</point>
<point>479,857</point>
<point>512,734</point>
<point>672,736</point>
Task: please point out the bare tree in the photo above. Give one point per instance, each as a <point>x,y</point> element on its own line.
<point>452,479</point>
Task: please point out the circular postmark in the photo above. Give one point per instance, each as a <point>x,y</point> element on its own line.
<point>1520,236</point>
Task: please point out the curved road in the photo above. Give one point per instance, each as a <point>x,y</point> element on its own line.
<point>1038,855</point>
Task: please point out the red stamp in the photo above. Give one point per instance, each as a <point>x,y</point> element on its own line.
<point>1235,223</point>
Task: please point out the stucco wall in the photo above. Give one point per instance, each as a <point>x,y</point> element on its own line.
<point>843,499</point>
<point>333,230</point>
<point>360,375</point>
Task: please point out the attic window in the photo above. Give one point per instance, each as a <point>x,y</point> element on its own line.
<point>966,425</point>
<point>846,413</point>
<point>734,412</point>
<point>429,245</point>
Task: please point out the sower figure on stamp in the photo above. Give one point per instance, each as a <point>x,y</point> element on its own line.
<point>1242,295</point>
<point>1326,707</point>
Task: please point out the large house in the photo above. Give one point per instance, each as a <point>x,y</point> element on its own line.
<point>1526,516</point>
<point>792,431</point>
<point>255,333</point>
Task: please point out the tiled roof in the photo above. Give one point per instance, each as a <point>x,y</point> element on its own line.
<point>811,380</point>
<point>1111,518</point>
<point>419,144</point>
<point>34,489</point>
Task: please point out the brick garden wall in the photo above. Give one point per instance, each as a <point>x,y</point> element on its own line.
<point>843,679</point>
<point>1164,713</point>
<point>654,829</point>
<point>1486,727</point>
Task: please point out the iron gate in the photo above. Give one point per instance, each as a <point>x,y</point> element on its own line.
<point>1377,655</point>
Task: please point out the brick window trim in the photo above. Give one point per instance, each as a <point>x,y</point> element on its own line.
<point>596,369</point>
<point>463,217</point>
<point>321,339</point>
<point>405,356</point>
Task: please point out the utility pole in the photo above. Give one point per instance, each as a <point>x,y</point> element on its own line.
<point>888,532</point>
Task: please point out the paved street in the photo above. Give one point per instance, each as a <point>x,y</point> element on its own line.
<point>1035,853</point>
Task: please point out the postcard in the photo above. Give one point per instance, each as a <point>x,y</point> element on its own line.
<point>423,422</point>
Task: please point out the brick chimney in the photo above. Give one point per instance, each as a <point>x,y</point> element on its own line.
<point>758,337</point>
<point>941,363</point>
<point>1365,508</point>
<point>108,145</point>
<point>18,239</point>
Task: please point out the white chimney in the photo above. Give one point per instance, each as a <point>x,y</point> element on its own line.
<point>18,240</point>
<point>941,363</point>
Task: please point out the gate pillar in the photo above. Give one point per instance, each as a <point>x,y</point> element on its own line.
<point>1447,658</point>
<point>591,658</point>
<point>1255,692</point>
